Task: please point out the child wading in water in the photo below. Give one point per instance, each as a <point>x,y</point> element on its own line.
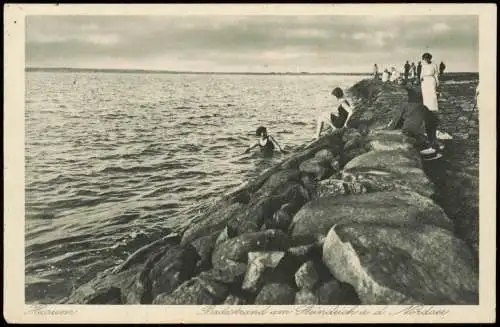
<point>339,117</point>
<point>266,142</point>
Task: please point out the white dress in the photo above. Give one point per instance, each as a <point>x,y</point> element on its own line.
<point>429,84</point>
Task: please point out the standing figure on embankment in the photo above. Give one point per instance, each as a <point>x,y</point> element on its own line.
<point>407,70</point>
<point>340,115</point>
<point>419,71</point>
<point>385,75</point>
<point>413,71</point>
<point>375,72</point>
<point>442,67</point>
<point>429,83</point>
<point>411,119</point>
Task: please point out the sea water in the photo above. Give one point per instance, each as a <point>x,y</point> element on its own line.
<point>116,160</point>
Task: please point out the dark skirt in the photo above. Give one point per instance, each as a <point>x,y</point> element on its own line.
<point>339,121</point>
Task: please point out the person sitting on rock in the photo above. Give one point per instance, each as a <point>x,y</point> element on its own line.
<point>266,142</point>
<point>339,117</point>
<point>411,119</point>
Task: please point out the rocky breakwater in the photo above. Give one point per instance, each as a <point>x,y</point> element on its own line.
<point>346,220</point>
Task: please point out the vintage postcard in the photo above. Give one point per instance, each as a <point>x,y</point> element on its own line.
<point>267,163</point>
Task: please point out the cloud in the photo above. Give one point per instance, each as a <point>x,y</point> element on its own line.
<point>440,27</point>
<point>224,42</point>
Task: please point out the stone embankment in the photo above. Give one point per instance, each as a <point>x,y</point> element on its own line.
<point>351,219</point>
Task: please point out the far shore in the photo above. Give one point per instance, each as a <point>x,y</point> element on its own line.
<point>146,71</point>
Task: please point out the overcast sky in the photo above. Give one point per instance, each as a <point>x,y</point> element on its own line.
<point>250,43</point>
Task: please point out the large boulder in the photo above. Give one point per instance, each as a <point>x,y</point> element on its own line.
<point>103,289</point>
<point>140,256</point>
<point>258,262</point>
<point>386,160</point>
<point>386,140</point>
<point>396,265</point>
<point>172,268</point>
<point>276,293</point>
<point>231,273</point>
<point>278,179</point>
<point>306,296</point>
<point>237,248</point>
<point>213,222</point>
<point>234,300</point>
<point>263,209</point>
<point>306,276</point>
<point>281,218</point>
<point>204,246</point>
<point>109,295</point>
<point>397,178</point>
<point>325,157</point>
<point>335,292</point>
<point>315,167</point>
<point>383,208</point>
<point>196,291</point>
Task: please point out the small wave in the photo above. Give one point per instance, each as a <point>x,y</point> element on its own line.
<point>182,108</point>
<point>298,123</point>
<point>187,174</point>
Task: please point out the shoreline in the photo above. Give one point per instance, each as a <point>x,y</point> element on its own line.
<point>333,223</point>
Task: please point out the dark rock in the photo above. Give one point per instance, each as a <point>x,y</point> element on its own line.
<point>237,248</point>
<point>231,273</point>
<point>310,183</point>
<point>196,291</point>
<point>252,219</point>
<point>139,256</point>
<point>104,285</point>
<point>214,221</point>
<point>350,154</point>
<point>223,236</point>
<point>281,218</point>
<point>234,300</point>
<point>324,157</point>
<point>110,295</point>
<point>335,292</point>
<point>314,167</point>
<point>277,294</point>
<point>352,139</point>
<point>384,208</point>
<point>204,247</point>
<point>278,179</point>
<point>306,296</point>
<point>393,265</point>
<point>258,262</point>
<point>172,269</point>
<point>306,276</point>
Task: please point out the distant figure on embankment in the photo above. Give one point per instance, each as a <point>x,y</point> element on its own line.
<point>413,71</point>
<point>375,72</point>
<point>419,71</point>
<point>266,142</point>
<point>394,75</point>
<point>386,75</point>
<point>442,67</point>
<point>411,119</point>
<point>407,70</point>
<point>340,115</point>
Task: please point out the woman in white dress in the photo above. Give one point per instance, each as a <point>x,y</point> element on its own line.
<point>429,84</point>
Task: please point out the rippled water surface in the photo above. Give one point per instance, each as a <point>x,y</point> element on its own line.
<point>113,161</point>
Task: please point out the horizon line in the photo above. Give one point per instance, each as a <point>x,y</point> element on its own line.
<point>161,71</point>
